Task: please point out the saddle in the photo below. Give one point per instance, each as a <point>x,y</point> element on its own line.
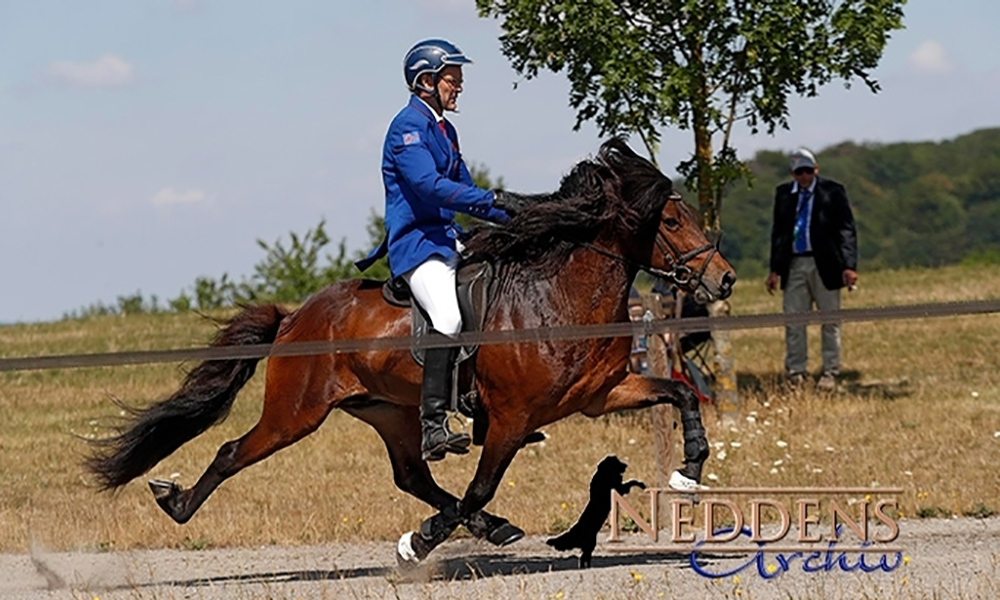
<point>473,282</point>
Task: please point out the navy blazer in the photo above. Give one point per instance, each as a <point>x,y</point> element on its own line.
<point>831,231</point>
<point>426,181</point>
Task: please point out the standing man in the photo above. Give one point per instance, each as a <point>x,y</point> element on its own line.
<point>426,182</point>
<point>814,253</point>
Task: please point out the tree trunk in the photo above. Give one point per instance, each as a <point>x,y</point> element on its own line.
<point>703,158</point>
<point>727,399</point>
<point>726,393</point>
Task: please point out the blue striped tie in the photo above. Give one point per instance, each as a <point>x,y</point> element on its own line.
<point>802,223</point>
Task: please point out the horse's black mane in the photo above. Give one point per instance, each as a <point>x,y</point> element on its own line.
<point>617,188</point>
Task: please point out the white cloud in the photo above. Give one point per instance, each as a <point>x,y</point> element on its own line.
<point>109,70</point>
<point>169,195</point>
<point>930,57</point>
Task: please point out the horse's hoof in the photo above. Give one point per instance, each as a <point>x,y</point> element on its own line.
<point>163,489</point>
<point>505,535</point>
<point>534,437</point>
<point>406,555</point>
<point>681,482</point>
<point>411,550</point>
<point>168,497</point>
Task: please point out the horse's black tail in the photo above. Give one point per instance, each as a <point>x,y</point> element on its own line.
<point>208,391</point>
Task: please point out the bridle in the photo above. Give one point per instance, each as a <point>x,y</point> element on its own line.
<point>679,272</point>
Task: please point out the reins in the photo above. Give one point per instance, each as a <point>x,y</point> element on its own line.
<point>679,272</point>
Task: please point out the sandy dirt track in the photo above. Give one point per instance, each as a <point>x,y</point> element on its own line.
<point>957,558</point>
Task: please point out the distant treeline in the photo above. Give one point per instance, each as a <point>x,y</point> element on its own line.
<point>916,204</point>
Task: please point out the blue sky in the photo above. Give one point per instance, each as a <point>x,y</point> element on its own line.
<point>145,143</point>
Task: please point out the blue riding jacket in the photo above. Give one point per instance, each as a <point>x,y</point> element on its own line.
<point>426,181</point>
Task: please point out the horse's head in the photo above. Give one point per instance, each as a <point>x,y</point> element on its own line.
<point>678,251</point>
<point>682,253</point>
<point>619,205</point>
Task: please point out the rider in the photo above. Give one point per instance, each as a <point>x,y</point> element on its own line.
<point>426,181</point>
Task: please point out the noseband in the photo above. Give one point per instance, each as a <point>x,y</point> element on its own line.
<point>679,272</point>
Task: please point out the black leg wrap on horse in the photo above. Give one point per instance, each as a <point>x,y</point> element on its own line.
<point>438,528</point>
<point>695,444</point>
<point>495,530</point>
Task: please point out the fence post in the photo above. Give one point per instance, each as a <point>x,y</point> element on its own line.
<point>727,399</point>
<point>662,414</point>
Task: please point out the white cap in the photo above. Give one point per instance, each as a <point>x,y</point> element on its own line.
<point>802,158</point>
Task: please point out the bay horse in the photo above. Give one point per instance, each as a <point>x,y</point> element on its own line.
<point>566,258</point>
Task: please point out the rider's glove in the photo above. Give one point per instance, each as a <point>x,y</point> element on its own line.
<point>508,202</point>
<point>490,212</point>
<point>497,215</point>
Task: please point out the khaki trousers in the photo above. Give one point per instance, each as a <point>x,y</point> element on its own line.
<point>804,288</point>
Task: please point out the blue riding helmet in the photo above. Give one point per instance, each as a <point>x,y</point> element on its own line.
<point>430,56</point>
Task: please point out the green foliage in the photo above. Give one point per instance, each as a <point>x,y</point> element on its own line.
<point>982,256</point>
<point>97,309</point>
<point>980,511</point>
<point>289,274</point>
<point>481,177</point>
<point>129,304</point>
<point>292,271</point>
<point>916,204</point>
<point>195,544</point>
<point>181,303</point>
<point>210,294</point>
<point>635,66</point>
<point>932,512</point>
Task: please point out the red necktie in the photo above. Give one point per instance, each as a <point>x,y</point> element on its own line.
<point>445,132</point>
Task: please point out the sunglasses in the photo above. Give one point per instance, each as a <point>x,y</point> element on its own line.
<point>804,171</point>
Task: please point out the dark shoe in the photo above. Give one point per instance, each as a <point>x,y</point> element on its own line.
<point>796,380</point>
<point>436,439</point>
<point>827,382</point>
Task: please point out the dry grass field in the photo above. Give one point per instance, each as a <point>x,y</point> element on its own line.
<point>920,409</point>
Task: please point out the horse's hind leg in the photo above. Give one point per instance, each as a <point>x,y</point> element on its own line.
<point>399,428</point>
<point>293,408</point>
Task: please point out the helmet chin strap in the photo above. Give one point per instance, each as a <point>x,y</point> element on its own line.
<point>433,91</point>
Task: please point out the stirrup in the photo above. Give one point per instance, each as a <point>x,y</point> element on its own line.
<point>456,443</point>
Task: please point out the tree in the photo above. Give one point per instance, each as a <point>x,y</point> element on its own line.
<point>636,66</point>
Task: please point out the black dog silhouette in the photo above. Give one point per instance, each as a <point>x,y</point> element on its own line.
<point>583,534</point>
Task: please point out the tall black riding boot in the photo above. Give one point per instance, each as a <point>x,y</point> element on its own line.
<point>436,439</point>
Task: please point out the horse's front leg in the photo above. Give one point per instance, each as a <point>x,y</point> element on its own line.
<point>399,428</point>
<point>636,391</point>
<point>503,440</point>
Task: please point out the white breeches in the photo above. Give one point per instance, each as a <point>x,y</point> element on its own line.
<point>433,286</point>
